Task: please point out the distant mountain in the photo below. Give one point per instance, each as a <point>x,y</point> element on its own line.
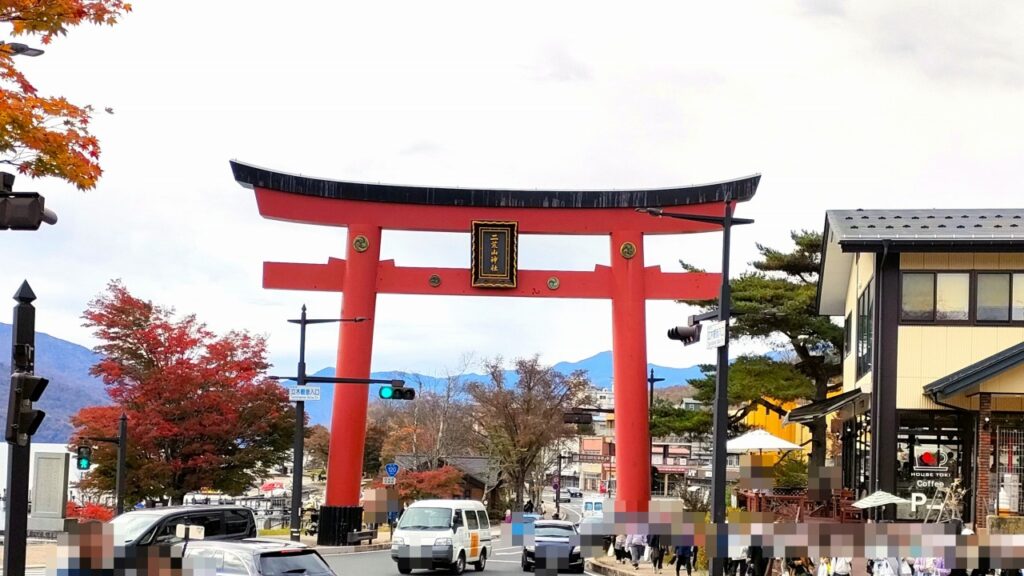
<point>66,365</point>
<point>71,388</point>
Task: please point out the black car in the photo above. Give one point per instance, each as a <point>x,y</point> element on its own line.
<point>575,493</point>
<point>156,526</point>
<point>555,546</point>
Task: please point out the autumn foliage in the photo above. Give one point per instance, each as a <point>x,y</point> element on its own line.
<point>44,135</point>
<point>89,512</point>
<point>444,482</point>
<point>201,413</point>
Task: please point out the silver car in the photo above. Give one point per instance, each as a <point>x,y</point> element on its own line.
<point>255,557</point>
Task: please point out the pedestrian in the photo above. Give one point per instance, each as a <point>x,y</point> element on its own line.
<point>657,552</point>
<point>528,507</point>
<point>685,556</point>
<point>842,566</point>
<point>636,543</point>
<point>739,564</point>
<point>620,549</point>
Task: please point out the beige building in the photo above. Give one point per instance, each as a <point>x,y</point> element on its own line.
<point>933,363</point>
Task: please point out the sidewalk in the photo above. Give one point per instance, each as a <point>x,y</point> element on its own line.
<point>37,555</point>
<point>609,567</point>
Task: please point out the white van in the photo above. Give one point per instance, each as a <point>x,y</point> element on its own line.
<point>446,534</point>
<point>593,507</point>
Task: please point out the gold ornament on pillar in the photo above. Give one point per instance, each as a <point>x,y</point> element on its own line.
<point>360,243</point>
<point>628,250</point>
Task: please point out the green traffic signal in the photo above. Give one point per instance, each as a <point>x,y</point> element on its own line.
<point>396,393</point>
<point>84,457</point>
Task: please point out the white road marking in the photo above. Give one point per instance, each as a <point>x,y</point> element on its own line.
<point>513,562</point>
<point>508,548</point>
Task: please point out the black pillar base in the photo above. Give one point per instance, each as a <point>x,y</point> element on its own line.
<point>336,523</point>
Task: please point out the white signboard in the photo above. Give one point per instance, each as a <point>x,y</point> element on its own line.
<point>389,480</point>
<point>190,532</point>
<point>716,334</point>
<point>303,393</point>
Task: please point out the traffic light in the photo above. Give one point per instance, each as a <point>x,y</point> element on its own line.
<point>24,211</point>
<point>685,334</point>
<point>84,457</point>
<point>396,391</point>
<point>22,419</point>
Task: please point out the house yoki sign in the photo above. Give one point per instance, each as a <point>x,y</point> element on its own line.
<point>931,471</point>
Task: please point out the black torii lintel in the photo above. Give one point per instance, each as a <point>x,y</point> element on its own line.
<point>739,190</point>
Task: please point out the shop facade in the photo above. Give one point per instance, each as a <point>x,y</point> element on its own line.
<point>932,407</point>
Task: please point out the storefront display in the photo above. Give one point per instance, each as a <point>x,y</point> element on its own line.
<point>930,454</point>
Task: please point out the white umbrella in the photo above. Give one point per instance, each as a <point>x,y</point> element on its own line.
<point>880,498</point>
<point>758,440</point>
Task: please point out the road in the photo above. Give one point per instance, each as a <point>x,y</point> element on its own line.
<point>505,560</point>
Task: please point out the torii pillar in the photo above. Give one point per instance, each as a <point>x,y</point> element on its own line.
<point>367,209</point>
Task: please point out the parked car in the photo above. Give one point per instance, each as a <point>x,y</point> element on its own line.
<point>575,493</point>
<point>555,545</point>
<point>446,534</point>
<point>156,526</point>
<point>256,557</point>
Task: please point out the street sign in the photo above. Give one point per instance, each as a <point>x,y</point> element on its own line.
<point>389,480</point>
<point>391,469</point>
<point>303,393</point>
<point>716,334</point>
<point>592,458</point>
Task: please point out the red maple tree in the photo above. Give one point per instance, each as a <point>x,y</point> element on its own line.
<point>443,482</point>
<point>90,511</point>
<point>201,413</point>
<point>40,135</point>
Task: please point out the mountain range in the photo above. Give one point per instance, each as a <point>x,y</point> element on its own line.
<point>66,365</point>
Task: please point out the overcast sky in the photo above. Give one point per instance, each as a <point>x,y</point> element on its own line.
<point>836,104</point>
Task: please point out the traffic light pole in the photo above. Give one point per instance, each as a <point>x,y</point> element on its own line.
<point>122,457</point>
<point>299,440</point>
<point>23,339</point>
<point>720,417</point>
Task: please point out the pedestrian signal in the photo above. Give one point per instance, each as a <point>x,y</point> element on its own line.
<point>84,457</point>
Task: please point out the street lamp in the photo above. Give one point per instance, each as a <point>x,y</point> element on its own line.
<point>19,49</point>
<point>298,444</point>
<point>720,416</point>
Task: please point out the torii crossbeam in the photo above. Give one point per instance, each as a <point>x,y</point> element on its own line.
<point>367,209</point>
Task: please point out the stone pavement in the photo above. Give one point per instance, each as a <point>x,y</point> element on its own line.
<point>609,567</point>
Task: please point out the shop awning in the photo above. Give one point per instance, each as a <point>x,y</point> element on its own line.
<point>810,412</point>
<point>976,373</point>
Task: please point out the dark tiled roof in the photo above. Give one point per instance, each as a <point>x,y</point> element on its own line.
<point>976,373</point>
<point>920,226</point>
<point>479,467</point>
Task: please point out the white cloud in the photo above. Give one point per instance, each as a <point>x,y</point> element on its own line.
<point>874,106</point>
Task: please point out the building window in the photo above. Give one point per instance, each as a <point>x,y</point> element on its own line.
<point>930,296</point>
<point>993,304</point>
<point>917,297</point>
<point>847,334</point>
<point>865,325</point>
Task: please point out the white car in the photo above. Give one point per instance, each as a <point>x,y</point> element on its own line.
<point>445,534</point>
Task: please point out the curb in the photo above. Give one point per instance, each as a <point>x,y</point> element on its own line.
<point>338,550</point>
<point>604,569</point>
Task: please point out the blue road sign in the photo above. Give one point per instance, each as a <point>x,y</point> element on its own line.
<point>391,469</point>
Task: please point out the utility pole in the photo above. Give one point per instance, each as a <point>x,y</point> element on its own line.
<point>122,459</point>
<point>652,380</point>
<point>23,340</point>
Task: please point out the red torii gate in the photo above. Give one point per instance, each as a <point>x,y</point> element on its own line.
<point>367,209</point>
